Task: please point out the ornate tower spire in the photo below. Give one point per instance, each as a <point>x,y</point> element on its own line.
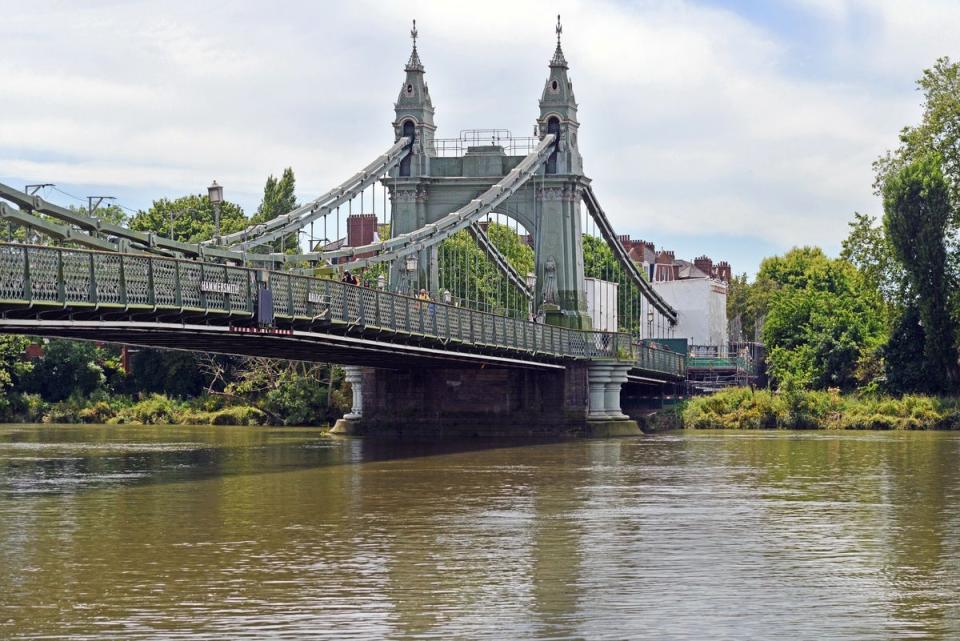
<point>414,113</point>
<point>558,59</point>
<point>414,63</point>
<point>558,114</point>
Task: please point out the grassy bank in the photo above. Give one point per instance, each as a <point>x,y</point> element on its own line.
<point>742,408</point>
<point>150,410</point>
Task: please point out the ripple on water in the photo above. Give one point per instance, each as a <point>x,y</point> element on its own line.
<point>249,534</point>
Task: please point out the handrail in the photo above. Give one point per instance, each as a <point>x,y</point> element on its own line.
<point>42,276</point>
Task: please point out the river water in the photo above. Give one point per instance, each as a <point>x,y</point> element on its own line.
<point>237,533</point>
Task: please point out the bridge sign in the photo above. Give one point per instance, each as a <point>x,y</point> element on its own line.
<point>219,287</point>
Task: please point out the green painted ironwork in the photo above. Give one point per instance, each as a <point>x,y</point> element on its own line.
<point>43,278</point>
<point>720,362</point>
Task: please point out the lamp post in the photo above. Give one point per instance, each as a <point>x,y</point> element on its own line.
<point>215,194</point>
<point>531,280</point>
<point>649,322</point>
<point>411,265</point>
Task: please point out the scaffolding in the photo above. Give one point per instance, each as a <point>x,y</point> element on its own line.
<point>715,367</point>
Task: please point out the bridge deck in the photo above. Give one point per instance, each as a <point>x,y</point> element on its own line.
<point>152,300</point>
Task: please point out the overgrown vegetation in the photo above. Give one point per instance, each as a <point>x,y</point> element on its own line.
<point>743,408</point>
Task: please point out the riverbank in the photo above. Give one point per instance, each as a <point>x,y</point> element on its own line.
<point>153,409</point>
<point>742,408</point>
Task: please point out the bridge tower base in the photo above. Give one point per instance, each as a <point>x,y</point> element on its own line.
<point>580,400</point>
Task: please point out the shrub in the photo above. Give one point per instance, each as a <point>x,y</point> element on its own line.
<point>806,409</point>
<point>152,410</point>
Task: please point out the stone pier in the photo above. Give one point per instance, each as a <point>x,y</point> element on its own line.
<point>582,399</point>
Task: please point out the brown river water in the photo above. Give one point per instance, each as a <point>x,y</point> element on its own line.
<point>171,532</point>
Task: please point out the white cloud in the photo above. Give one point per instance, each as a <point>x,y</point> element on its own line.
<point>694,119</point>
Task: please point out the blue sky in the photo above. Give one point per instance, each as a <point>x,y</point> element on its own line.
<point>735,129</point>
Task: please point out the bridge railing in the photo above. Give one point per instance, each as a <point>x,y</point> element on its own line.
<point>45,278</point>
<point>305,298</point>
<point>651,357</point>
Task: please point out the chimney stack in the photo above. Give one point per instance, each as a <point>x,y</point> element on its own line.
<point>361,229</point>
<point>724,271</point>
<point>704,264</point>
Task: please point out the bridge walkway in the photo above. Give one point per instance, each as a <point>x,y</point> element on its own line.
<point>169,302</point>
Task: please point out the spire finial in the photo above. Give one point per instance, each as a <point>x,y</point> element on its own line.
<point>558,59</point>
<point>414,63</point>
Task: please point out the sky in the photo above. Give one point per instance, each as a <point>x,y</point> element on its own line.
<point>736,129</point>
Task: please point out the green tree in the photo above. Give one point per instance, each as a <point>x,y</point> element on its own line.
<point>938,132</point>
<point>106,212</point>
<point>517,252</point>
<point>748,302</point>
<point>70,368</point>
<point>470,276</point>
<point>279,198</point>
<point>917,214</point>
<point>823,322</point>
<point>170,372</point>
<point>904,371</point>
<point>868,248</point>
<point>192,218</point>
<point>13,367</point>
<point>598,259</point>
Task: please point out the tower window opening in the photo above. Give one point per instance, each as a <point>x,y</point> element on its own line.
<point>553,127</point>
<point>409,131</point>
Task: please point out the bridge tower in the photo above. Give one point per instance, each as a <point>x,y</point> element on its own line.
<point>559,247</point>
<point>426,187</point>
<point>413,118</point>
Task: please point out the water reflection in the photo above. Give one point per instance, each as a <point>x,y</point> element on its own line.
<point>245,533</point>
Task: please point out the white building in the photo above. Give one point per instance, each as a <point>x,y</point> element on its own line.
<point>602,304</point>
<point>701,305</point>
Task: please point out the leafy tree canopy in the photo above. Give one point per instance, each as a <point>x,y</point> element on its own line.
<point>108,213</point>
<point>868,248</point>
<point>822,319</point>
<point>916,219</point>
<point>278,199</point>
<point>938,131</point>
<point>192,217</point>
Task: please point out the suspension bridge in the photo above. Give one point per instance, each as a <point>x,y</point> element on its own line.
<point>450,329</point>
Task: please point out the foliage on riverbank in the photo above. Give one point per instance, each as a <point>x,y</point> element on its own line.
<point>150,410</point>
<point>743,408</point>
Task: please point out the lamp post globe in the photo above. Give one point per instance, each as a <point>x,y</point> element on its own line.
<point>215,194</point>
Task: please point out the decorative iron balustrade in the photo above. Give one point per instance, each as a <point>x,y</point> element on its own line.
<point>45,278</point>
<point>511,145</point>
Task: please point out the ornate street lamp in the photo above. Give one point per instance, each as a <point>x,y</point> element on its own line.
<point>215,194</point>
<point>410,262</point>
<point>531,280</point>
